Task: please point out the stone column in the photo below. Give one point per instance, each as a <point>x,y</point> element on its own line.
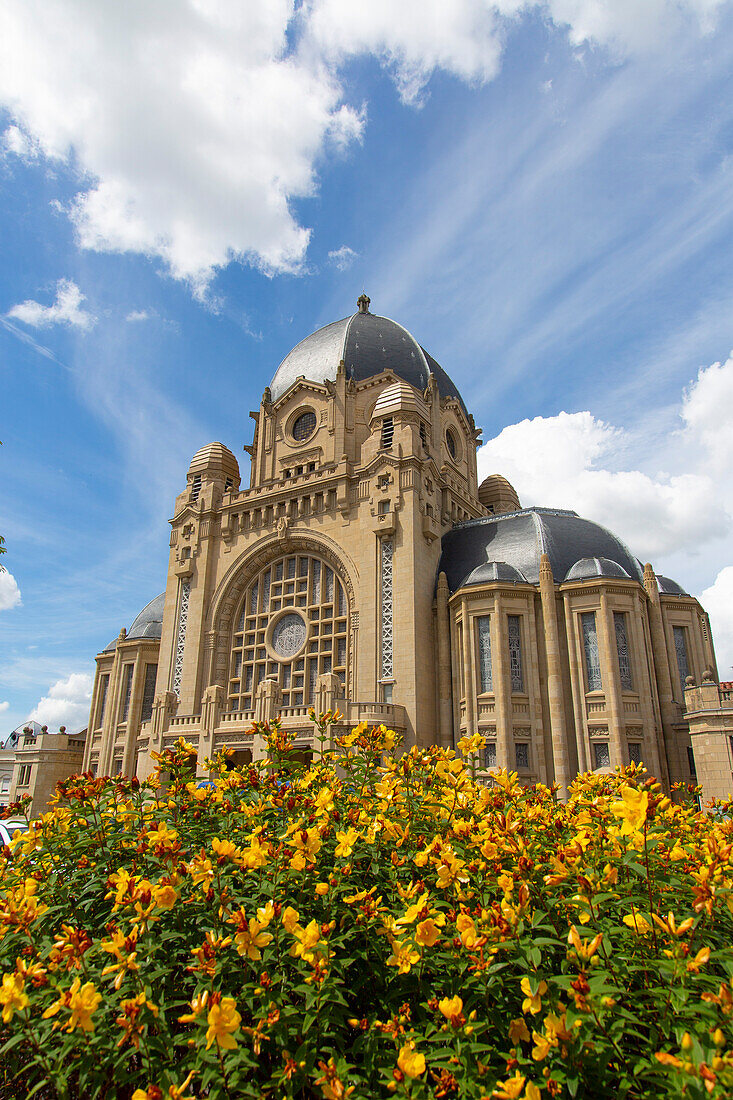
<point>210,712</point>
<point>667,704</point>
<point>558,729</point>
<point>502,688</point>
<point>611,681</point>
<point>445,708</point>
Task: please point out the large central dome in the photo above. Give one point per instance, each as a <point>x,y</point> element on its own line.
<point>368,345</point>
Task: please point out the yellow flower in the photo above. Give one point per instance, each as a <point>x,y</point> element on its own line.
<point>165,897</point>
<point>198,1004</point>
<point>82,1001</point>
<point>250,938</point>
<point>346,842</point>
<point>509,1089</point>
<point>632,810</point>
<point>403,956</point>
<point>467,930</point>
<point>452,1009</point>
<point>290,918</point>
<point>586,949</point>
<point>640,924</point>
<point>265,914</point>
<point>411,1061</point>
<point>12,996</point>
<point>532,1000</point>
<point>519,1030</point>
<point>307,938</point>
<point>321,888</point>
<point>427,933</point>
<point>223,1019</point>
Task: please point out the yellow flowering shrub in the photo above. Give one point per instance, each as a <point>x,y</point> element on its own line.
<point>376,924</point>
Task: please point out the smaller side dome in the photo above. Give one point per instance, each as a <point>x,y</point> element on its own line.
<point>669,587</point>
<point>498,496</point>
<point>148,624</point>
<point>215,461</point>
<point>587,568</point>
<point>400,397</point>
<point>494,571</point>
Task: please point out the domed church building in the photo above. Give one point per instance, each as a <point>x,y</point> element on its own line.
<point>364,568</point>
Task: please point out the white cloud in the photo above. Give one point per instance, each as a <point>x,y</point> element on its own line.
<point>66,704</point>
<point>718,602</point>
<point>66,310</point>
<point>138,315</point>
<point>195,124</point>
<point>9,591</point>
<point>342,258</point>
<point>5,705</point>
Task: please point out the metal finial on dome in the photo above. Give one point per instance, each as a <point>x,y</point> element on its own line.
<point>363,302</point>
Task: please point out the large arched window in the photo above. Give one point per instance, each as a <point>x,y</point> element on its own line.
<point>293,625</point>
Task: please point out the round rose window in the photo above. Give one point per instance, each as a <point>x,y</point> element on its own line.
<point>288,636</point>
<point>304,425</point>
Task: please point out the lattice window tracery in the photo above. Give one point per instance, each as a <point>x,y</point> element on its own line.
<point>516,671</point>
<point>483,624</point>
<point>683,663</point>
<point>318,598</point>
<point>622,646</point>
<point>590,649</point>
<point>181,636</point>
<point>387,627</point>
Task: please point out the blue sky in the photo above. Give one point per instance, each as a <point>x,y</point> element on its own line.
<point>541,193</point>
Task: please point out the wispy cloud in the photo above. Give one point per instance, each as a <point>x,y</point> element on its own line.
<point>26,338</point>
<point>9,591</point>
<point>342,258</point>
<point>66,309</point>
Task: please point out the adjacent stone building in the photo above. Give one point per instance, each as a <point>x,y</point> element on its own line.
<point>364,567</point>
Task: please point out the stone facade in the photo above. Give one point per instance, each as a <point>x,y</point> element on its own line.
<point>342,576</point>
<point>41,760</point>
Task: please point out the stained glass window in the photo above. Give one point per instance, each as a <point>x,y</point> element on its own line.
<point>622,646</point>
<point>103,699</point>
<point>151,675</point>
<point>634,752</point>
<point>521,755</point>
<point>483,624</point>
<point>490,754</point>
<point>320,629</point>
<point>126,691</point>
<point>516,671</point>
<point>602,754</point>
<point>680,645</point>
<point>590,649</point>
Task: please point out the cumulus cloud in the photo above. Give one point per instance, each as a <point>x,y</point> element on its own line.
<point>342,258</point>
<point>575,460</point>
<point>66,309</point>
<point>195,124</point>
<point>66,704</point>
<point>9,591</point>
<point>138,315</point>
<point>4,706</point>
<point>718,601</point>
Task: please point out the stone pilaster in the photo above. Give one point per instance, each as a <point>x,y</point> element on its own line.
<point>558,728</point>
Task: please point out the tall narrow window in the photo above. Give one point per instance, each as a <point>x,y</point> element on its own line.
<point>634,752</point>
<point>516,672</point>
<point>590,649</point>
<point>602,754</point>
<point>483,624</point>
<point>622,647</point>
<point>490,754</point>
<point>104,687</point>
<point>680,645</point>
<point>151,674</point>
<point>126,690</point>
<point>387,432</point>
<point>691,762</point>
<point>521,754</point>
<point>195,487</point>
<point>423,435</point>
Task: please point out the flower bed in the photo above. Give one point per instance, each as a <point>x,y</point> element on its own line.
<point>374,925</point>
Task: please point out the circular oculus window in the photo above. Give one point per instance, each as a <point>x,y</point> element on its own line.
<point>304,426</point>
<point>451,443</point>
<point>288,635</point>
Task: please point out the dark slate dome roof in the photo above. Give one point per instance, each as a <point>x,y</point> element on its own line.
<point>669,587</point>
<point>595,567</point>
<point>148,624</point>
<point>518,539</point>
<point>494,571</point>
<point>368,345</point>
